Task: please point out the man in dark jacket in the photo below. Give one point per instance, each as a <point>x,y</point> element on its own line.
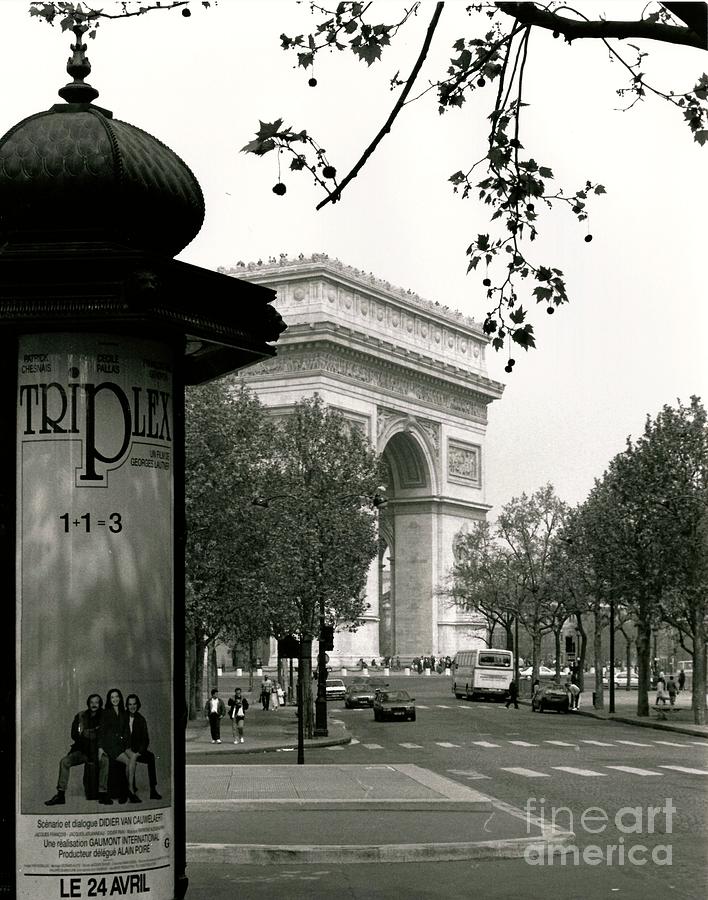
<point>84,751</point>
<point>139,742</point>
<point>513,695</point>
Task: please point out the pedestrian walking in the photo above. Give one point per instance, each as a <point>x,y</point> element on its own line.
<point>215,711</point>
<point>672,689</point>
<point>237,713</point>
<point>281,693</point>
<point>274,699</point>
<point>513,694</point>
<point>681,680</point>
<point>266,688</point>
<point>660,689</point>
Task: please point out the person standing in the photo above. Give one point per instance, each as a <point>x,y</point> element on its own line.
<point>672,689</point>
<point>681,680</point>
<point>139,743</point>
<point>266,688</point>
<point>660,689</point>
<point>215,711</point>
<point>237,713</point>
<point>513,694</point>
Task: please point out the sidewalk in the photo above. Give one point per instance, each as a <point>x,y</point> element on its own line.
<point>679,720</point>
<point>336,813</point>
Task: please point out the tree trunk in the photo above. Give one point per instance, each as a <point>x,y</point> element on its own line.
<point>491,629</point>
<point>582,650</point>
<point>250,665</point>
<point>213,672</point>
<point>557,639</point>
<point>644,663</point>
<point>304,675</point>
<point>196,701</point>
<point>597,648</point>
<point>698,689</point>
<point>536,653</point>
<point>509,630</point>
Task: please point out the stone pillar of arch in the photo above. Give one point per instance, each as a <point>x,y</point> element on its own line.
<point>411,375</point>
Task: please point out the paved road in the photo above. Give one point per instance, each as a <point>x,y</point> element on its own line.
<point>638,788</point>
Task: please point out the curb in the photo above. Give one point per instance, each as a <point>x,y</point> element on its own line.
<point>658,725</point>
<point>263,854</point>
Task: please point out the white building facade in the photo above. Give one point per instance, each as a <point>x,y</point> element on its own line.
<point>411,375</point>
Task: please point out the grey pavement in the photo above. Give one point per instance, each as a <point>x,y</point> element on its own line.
<point>351,813</point>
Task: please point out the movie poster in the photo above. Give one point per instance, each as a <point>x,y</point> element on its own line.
<point>95,617</point>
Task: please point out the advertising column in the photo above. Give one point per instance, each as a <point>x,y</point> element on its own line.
<point>95,618</point>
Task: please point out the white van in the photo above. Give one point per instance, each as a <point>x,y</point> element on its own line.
<point>482,673</point>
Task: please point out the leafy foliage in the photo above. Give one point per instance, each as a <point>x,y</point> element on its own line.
<point>515,187</point>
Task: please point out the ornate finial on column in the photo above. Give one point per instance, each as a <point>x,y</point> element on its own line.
<point>79,68</point>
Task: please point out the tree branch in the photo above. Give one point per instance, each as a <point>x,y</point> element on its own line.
<point>572,29</point>
<point>336,194</point>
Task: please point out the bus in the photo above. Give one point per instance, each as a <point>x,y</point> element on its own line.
<point>482,673</point>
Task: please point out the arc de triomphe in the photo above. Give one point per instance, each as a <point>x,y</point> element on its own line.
<point>412,375</point>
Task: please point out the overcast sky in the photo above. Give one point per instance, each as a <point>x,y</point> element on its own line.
<point>632,338</point>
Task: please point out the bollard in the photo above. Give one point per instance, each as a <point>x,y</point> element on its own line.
<point>427,671</point>
<point>406,671</point>
<point>344,672</point>
<point>239,673</point>
<point>387,671</point>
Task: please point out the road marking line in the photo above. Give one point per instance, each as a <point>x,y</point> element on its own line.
<point>686,770</point>
<point>484,744</point>
<point>671,743</point>
<point>523,744</point>
<point>335,748</point>
<point>526,773</point>
<point>560,743</point>
<point>372,746</point>
<point>446,744</point>
<point>634,743</point>
<point>354,741</point>
<point>420,706</point>
<point>470,774</point>
<point>597,743</point>
<point>699,743</point>
<point>440,706</point>
<point>632,771</point>
<point>586,773</point>
<point>411,746</point>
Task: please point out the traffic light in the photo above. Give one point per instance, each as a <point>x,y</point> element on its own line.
<point>327,637</point>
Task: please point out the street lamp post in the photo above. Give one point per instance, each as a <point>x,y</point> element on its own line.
<point>612,656</point>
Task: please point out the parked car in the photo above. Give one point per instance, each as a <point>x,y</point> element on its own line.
<point>335,689</point>
<point>621,680</point>
<point>550,696</point>
<point>390,704</point>
<point>543,672</point>
<point>359,694</point>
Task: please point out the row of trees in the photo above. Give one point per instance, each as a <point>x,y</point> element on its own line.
<point>302,551</point>
<point>638,543</point>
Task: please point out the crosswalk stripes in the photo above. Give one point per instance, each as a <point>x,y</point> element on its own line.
<point>527,773</point>
<point>597,743</point>
<point>559,743</point>
<point>523,744</point>
<point>671,743</point>
<point>372,746</point>
<point>686,770</point>
<point>484,744</point>
<point>633,743</point>
<point>446,744</point>
<point>420,706</point>
<point>631,770</point>
<point>440,706</point>
<point>354,741</point>
<point>586,773</point>
<point>409,746</point>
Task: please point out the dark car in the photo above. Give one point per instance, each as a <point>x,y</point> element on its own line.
<point>550,696</point>
<point>359,694</point>
<point>394,705</point>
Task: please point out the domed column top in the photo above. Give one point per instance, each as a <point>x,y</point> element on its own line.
<point>79,68</point>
